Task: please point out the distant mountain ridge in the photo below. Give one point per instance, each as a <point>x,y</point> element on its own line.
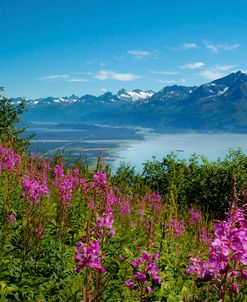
<point>220,105</point>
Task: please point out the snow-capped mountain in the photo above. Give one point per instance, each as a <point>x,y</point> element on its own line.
<point>218,105</point>
<point>108,97</point>
<point>135,95</point>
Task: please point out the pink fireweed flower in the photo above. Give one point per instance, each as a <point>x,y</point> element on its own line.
<point>129,283</point>
<point>59,174</point>
<point>136,263</point>
<point>177,227</point>
<point>39,233</point>
<point>11,218</point>
<point>195,216</point>
<point>140,276</point>
<point>112,233</point>
<point>243,274</point>
<point>145,270</point>
<point>157,204</point>
<point>84,186</point>
<point>148,289</point>
<point>33,190</point>
<point>66,188</point>
<point>9,160</point>
<point>157,279</point>
<point>88,255</point>
<point>76,179</point>
<point>105,221</point>
<point>156,255</point>
<point>204,235</point>
<point>99,180</point>
<point>235,288</point>
<point>228,252</point>
<point>91,204</point>
<point>146,257</point>
<point>125,207</point>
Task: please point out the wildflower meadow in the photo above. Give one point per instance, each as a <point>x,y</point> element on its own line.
<point>71,234</point>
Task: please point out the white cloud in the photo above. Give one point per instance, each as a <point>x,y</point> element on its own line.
<point>106,75</point>
<point>217,47</point>
<point>184,46</point>
<point>164,72</point>
<point>195,65</point>
<point>189,46</point>
<point>76,80</point>
<point>212,47</point>
<point>63,77</point>
<point>211,74</point>
<point>217,71</point>
<point>230,47</point>
<point>139,54</point>
<point>55,77</point>
<point>166,81</point>
<point>224,67</point>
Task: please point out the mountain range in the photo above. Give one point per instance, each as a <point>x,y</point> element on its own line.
<point>220,105</point>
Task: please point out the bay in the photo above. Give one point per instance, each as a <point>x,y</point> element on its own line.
<point>133,146</point>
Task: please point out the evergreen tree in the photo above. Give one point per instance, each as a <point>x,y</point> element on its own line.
<point>10,130</point>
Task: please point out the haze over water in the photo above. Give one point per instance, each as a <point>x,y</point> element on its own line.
<point>210,145</point>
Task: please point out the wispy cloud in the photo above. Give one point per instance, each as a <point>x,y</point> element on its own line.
<point>189,45</point>
<point>63,77</point>
<point>217,71</point>
<point>225,67</point>
<point>211,74</point>
<point>54,77</point>
<point>76,80</point>
<point>168,82</point>
<point>184,46</point>
<point>196,65</point>
<point>139,54</point>
<point>216,48</point>
<point>124,77</point>
<point>164,72</point>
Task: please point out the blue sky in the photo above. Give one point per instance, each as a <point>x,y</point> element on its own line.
<point>64,47</point>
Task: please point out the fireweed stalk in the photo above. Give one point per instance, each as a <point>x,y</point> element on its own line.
<point>225,267</point>
<point>144,274</point>
<point>34,192</point>
<point>90,252</point>
<point>10,166</point>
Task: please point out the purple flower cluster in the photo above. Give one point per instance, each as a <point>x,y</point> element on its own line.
<point>11,218</point>
<point>66,189</point>
<point>34,190</point>
<point>125,207</point>
<point>195,216</point>
<point>177,227</point>
<point>228,252</point>
<point>8,159</point>
<point>105,221</point>
<point>204,235</point>
<point>99,180</point>
<point>88,255</point>
<point>145,270</point>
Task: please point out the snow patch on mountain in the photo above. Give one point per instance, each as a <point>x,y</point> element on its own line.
<point>135,95</point>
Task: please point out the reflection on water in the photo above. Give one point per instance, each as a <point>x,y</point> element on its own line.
<point>211,145</point>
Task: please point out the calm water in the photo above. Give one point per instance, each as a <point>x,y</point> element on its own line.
<point>130,145</point>
<point>211,145</point>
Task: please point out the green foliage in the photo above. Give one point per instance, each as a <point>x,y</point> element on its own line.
<point>42,268</point>
<point>196,181</point>
<point>9,123</point>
